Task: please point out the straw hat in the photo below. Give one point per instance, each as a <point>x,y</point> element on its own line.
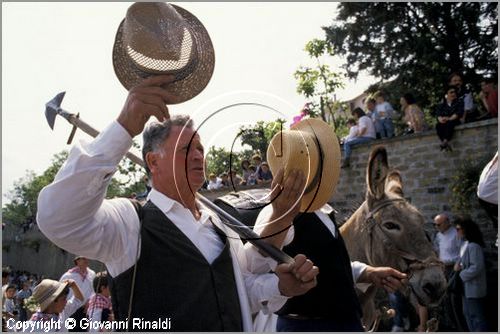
<point>160,38</point>
<point>47,291</point>
<point>311,146</point>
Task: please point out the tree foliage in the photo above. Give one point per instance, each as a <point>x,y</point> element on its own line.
<point>259,135</point>
<point>24,195</point>
<point>319,83</point>
<point>416,45</point>
<point>219,160</point>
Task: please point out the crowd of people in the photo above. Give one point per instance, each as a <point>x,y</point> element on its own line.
<point>257,173</point>
<point>457,107</point>
<point>79,293</point>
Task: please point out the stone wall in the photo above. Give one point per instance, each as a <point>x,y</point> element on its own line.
<point>33,252</point>
<point>427,173</point>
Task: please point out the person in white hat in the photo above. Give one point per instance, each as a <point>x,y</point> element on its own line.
<point>306,160</point>
<point>171,260</point>
<point>53,306</point>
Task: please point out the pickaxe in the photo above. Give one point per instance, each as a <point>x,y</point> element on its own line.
<point>53,108</point>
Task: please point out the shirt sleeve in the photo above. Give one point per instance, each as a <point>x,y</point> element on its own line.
<point>72,211</point>
<point>257,261</point>
<point>261,285</point>
<point>357,269</point>
<point>71,307</point>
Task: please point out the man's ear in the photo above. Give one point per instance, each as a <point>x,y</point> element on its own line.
<point>152,161</point>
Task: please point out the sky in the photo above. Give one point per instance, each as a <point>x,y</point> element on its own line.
<point>48,48</point>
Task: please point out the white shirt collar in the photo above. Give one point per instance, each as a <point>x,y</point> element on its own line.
<point>163,202</point>
<point>167,204</point>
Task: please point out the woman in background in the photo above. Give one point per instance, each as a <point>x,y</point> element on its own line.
<point>473,273</point>
<point>413,115</point>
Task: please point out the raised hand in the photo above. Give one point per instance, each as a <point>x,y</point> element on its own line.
<point>149,98</point>
<point>286,194</point>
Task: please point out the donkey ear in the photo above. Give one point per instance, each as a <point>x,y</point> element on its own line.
<point>377,172</point>
<point>394,183</point>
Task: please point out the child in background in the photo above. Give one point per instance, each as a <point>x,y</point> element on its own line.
<point>9,310</point>
<point>384,114</point>
<point>252,178</point>
<point>100,308</point>
<point>51,298</point>
<point>353,129</point>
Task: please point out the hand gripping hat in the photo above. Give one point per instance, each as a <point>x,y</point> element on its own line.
<point>160,38</point>
<point>311,146</point>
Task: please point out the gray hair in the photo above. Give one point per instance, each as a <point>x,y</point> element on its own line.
<point>156,133</point>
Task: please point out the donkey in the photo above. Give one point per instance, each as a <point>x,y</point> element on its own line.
<point>386,230</point>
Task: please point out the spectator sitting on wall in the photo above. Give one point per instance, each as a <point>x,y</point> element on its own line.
<point>252,178</point>
<point>353,128</point>
<point>384,114</point>
<point>257,160</point>
<point>371,112</point>
<point>448,115</point>
<point>264,175</point>
<point>224,179</point>
<point>465,95</point>
<point>214,182</point>
<point>413,115</point>
<point>234,179</point>
<point>245,164</point>
<point>365,133</point>
<point>489,97</point>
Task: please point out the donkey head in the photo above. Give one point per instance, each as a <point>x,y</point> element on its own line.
<point>396,234</point>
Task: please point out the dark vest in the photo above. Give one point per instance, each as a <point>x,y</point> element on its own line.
<point>174,280</point>
<point>334,296</point>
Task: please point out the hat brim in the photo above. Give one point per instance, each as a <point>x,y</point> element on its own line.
<point>329,161</point>
<point>183,89</point>
<point>53,297</point>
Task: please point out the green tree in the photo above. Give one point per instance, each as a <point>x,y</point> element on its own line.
<point>259,135</point>
<point>218,160</point>
<point>319,83</point>
<point>416,45</point>
<point>24,195</point>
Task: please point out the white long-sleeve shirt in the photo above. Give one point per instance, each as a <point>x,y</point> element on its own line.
<point>447,245</point>
<point>73,213</point>
<point>85,285</point>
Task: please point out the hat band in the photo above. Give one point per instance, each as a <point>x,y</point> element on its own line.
<point>179,75</point>
<point>317,175</point>
<point>50,291</point>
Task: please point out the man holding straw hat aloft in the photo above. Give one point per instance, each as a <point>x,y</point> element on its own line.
<point>307,157</point>
<point>171,259</point>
